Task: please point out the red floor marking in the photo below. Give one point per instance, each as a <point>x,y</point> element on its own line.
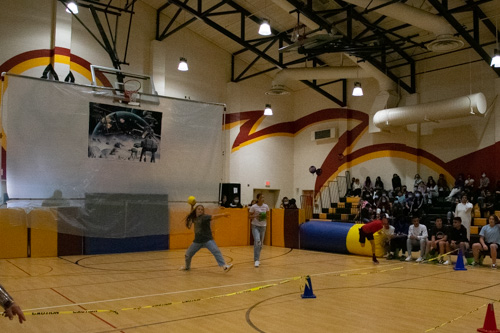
<point>93,314</point>
<point>19,268</point>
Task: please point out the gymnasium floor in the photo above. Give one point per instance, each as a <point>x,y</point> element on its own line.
<point>145,292</point>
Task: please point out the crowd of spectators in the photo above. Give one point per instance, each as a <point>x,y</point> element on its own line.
<point>417,199</point>
<point>412,224</point>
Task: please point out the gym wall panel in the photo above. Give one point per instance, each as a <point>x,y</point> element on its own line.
<point>13,233</point>
<point>43,228</point>
<point>278,227</point>
<point>233,230</point>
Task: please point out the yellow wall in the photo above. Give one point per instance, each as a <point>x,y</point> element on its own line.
<point>233,230</point>
<point>43,224</point>
<point>278,227</point>
<point>13,233</point>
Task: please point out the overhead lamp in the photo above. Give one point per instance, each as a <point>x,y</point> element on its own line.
<point>357,91</point>
<point>183,65</point>
<point>265,28</point>
<point>71,7</point>
<point>495,61</point>
<point>268,111</point>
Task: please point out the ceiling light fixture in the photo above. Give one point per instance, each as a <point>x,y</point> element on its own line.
<point>265,28</point>
<point>357,91</point>
<point>71,7</point>
<point>183,65</point>
<point>268,111</point>
<point>495,61</point>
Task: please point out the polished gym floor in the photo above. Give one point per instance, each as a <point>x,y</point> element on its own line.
<point>145,292</point>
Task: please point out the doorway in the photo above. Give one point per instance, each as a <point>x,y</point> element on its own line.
<point>270,196</point>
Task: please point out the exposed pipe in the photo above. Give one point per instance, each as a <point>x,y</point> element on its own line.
<point>409,14</point>
<point>464,106</point>
<point>418,18</point>
<point>319,73</point>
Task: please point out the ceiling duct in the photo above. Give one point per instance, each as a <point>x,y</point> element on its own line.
<point>445,40</point>
<point>464,106</point>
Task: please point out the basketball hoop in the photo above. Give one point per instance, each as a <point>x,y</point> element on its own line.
<point>131,92</point>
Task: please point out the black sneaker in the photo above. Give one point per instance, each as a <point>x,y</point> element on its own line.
<point>375,261</point>
<point>390,256</point>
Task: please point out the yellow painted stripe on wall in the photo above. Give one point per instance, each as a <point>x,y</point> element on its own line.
<point>63,59</point>
<point>249,142</point>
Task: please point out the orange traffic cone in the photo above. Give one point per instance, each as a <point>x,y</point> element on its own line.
<point>490,324</point>
<point>308,289</point>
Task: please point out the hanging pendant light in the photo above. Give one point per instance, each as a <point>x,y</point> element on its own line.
<point>72,8</point>
<point>265,28</point>
<point>357,91</point>
<point>495,60</point>
<point>183,65</point>
<point>268,111</point>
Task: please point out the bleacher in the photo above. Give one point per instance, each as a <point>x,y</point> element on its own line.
<point>345,210</point>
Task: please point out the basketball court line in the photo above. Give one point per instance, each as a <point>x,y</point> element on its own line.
<point>199,289</point>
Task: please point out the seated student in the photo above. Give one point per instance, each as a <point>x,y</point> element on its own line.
<point>417,235</point>
<point>387,233</point>
<point>224,202</point>
<point>489,238</point>
<point>400,235</point>
<point>285,203</point>
<point>486,204</point>
<point>457,239</point>
<point>437,238</point>
<point>235,203</point>
<point>293,204</point>
<point>356,188</point>
<point>367,231</point>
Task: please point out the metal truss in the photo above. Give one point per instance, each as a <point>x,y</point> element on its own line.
<point>247,44</point>
<point>107,39</point>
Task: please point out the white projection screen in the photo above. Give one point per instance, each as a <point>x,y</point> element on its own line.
<point>50,147</point>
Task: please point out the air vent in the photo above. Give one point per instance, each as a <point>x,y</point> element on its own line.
<point>277,89</point>
<point>445,43</point>
<point>323,134</point>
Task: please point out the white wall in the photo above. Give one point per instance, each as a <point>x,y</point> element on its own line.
<point>282,160</point>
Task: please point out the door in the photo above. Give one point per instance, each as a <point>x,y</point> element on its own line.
<point>270,196</point>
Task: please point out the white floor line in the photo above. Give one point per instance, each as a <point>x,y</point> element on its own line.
<point>199,289</point>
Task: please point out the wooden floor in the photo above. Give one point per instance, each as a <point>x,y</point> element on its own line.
<point>352,294</point>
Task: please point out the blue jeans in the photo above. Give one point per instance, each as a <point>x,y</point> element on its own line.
<point>211,246</point>
<point>258,239</point>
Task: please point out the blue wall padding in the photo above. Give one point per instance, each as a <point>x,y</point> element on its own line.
<point>94,245</point>
<point>324,236</point>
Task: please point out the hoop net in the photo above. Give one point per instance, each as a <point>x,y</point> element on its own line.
<point>130,91</point>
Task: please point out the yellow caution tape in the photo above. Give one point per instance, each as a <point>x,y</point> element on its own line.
<point>440,256</point>
<point>457,318</point>
<point>45,313</point>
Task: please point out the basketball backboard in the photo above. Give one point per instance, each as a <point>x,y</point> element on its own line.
<point>124,87</point>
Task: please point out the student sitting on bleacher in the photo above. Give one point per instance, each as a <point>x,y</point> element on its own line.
<point>437,239</point>
<point>489,238</point>
<point>417,235</point>
<point>457,239</point>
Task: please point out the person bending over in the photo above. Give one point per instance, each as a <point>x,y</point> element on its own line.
<point>366,232</point>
